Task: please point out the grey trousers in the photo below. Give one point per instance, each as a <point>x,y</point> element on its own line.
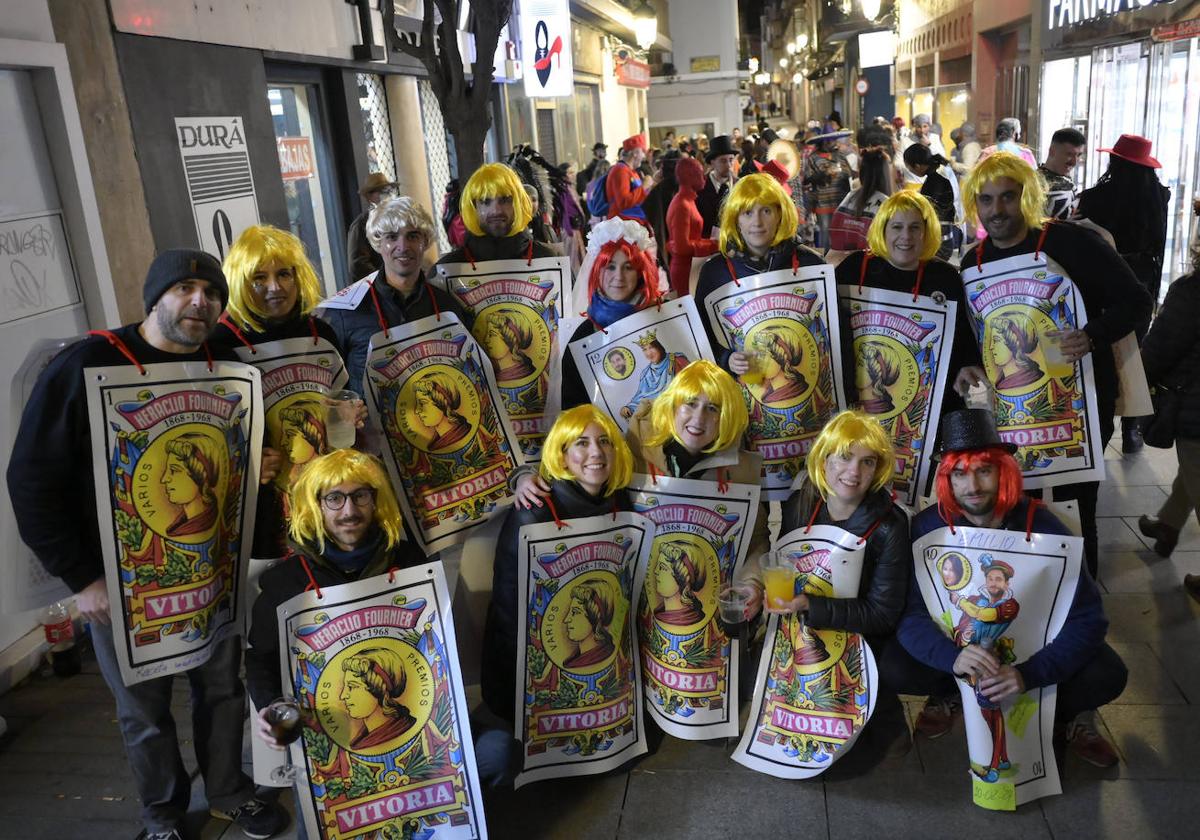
<point>1185,491</point>
<point>148,729</point>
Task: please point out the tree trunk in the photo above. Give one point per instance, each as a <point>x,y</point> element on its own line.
<point>469,137</point>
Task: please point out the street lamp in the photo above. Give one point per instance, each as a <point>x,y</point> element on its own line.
<point>762,79</point>
<point>645,25</point>
<point>801,40</point>
<point>790,48</point>
<point>783,63</point>
<point>870,8</point>
<point>752,64</point>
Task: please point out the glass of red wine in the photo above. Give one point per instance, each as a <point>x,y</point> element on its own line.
<point>287,725</point>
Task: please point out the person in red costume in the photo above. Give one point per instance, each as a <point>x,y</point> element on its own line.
<point>685,226</point>
<point>624,186</point>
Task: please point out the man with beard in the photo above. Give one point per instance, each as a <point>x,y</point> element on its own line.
<point>53,494</point>
<point>979,485</point>
<point>497,213</point>
<point>1008,199</point>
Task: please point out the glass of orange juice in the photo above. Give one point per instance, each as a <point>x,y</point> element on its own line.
<point>779,578</point>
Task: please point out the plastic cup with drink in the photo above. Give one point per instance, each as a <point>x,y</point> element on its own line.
<point>341,415</point>
<point>779,579</point>
<point>756,359</point>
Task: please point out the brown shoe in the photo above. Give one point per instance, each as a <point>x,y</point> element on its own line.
<point>1191,585</point>
<point>1165,537</point>
<point>936,719</point>
<point>1086,741</point>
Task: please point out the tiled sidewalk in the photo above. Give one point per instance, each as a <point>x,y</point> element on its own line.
<point>63,774</point>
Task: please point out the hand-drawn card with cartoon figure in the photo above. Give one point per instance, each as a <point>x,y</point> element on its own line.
<point>517,306</point>
<point>297,373</point>
<point>689,664</point>
<point>579,688</point>
<point>786,322</point>
<point>816,687</point>
<point>625,366</point>
<point>901,359</point>
<point>176,456</point>
<point>433,395</point>
<point>386,747</point>
<point>1045,405</point>
<point>1009,595</point>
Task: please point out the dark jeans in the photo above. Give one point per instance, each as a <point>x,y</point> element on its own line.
<point>1100,681</point>
<point>151,744</point>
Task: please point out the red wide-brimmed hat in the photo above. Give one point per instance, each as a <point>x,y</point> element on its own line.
<point>637,141</point>
<point>1134,149</point>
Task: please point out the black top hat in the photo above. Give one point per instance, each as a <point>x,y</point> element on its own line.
<point>969,429</point>
<point>598,147</point>
<point>722,144</point>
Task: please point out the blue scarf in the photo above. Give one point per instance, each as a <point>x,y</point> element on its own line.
<point>354,561</point>
<point>607,312</point>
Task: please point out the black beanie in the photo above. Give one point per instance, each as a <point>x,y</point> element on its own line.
<point>177,264</point>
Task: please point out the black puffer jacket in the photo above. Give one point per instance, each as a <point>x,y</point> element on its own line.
<point>1171,351</point>
<point>499,661</point>
<point>884,583</point>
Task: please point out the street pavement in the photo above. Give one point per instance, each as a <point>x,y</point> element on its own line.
<point>63,773</point>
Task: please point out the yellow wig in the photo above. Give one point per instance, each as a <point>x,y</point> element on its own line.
<point>567,429</point>
<point>254,249</point>
<point>843,431</point>
<point>898,203</point>
<point>1007,165</point>
<point>746,193</point>
<point>495,180</point>
<point>338,467</point>
<point>701,377</point>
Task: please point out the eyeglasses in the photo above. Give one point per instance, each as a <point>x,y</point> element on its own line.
<point>336,499</point>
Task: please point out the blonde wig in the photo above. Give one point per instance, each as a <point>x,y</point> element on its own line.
<point>700,377</point>
<point>749,192</point>
<point>257,247</point>
<point>843,431</point>
<point>395,215</point>
<point>339,467</point>
<point>569,426</point>
<point>898,203</point>
<point>495,180</point>
<point>1007,165</point>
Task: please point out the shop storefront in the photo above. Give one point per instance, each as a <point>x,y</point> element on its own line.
<point>933,71</point>
<point>1135,72</point>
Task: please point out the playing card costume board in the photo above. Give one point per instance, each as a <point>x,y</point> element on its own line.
<point>1046,406</point>
<point>517,306</point>
<point>176,451</point>
<point>629,363</point>
<point>689,664</point>
<point>432,393</point>
<point>902,358</point>
<point>386,749</point>
<point>579,688</point>
<point>815,689</point>
<point>788,320</point>
<point>1011,595</point>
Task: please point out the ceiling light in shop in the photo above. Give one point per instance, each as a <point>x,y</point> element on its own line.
<point>801,40</point>
<point>783,63</point>
<point>790,48</point>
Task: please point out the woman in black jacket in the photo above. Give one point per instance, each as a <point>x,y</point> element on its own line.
<point>848,469</point>
<point>903,240</point>
<point>1171,357</point>
<point>588,465</point>
<point>937,188</point>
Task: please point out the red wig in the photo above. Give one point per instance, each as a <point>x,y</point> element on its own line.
<point>641,260</point>
<point>1009,491</point>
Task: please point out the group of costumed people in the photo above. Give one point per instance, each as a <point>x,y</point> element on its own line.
<point>336,515</point>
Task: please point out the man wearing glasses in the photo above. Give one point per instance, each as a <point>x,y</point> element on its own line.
<point>345,526</point>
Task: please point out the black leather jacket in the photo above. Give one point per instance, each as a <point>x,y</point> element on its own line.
<point>886,566</point>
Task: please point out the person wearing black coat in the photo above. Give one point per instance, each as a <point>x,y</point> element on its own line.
<point>1171,357</point>
<point>901,259</point>
<point>588,465</point>
<point>1114,300</point>
<point>845,486</point>
<point>401,230</point>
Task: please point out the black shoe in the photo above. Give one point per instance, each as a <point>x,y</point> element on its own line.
<point>256,818</point>
<point>1165,537</point>
<point>1131,439</point>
